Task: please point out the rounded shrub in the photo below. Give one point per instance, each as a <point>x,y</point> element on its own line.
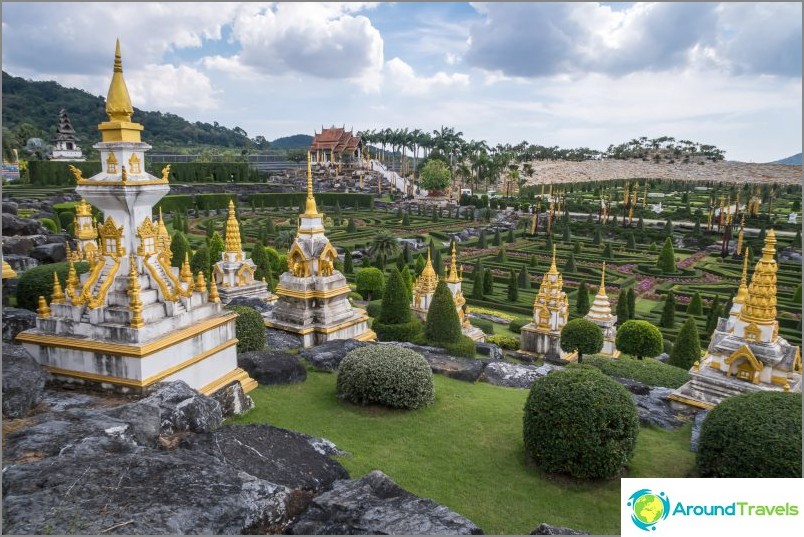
<point>516,325</point>
<point>374,308</point>
<point>397,331</point>
<point>50,224</point>
<point>503,341</point>
<point>464,347</point>
<point>484,324</point>
<point>249,329</point>
<point>752,435</point>
<point>580,422</point>
<point>386,375</point>
<point>38,281</point>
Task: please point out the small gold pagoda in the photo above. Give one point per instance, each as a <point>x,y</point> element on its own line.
<point>542,335</point>
<point>746,353</point>
<point>600,314</point>
<point>233,274</point>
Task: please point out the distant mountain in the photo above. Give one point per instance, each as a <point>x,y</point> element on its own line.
<point>297,141</point>
<point>795,160</point>
<point>31,109</point>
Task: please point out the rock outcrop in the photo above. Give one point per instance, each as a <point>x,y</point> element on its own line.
<point>23,381</point>
<point>15,320</point>
<point>272,367</point>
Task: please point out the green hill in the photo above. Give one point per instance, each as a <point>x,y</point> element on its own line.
<point>297,141</point>
<point>31,109</point>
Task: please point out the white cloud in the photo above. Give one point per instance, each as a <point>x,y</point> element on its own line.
<point>402,76</point>
<point>166,87</point>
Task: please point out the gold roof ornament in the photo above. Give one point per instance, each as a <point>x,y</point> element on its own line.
<point>233,243</point>
<point>426,284</point>
<point>310,208</point>
<point>118,103</point>
<point>185,273</point>
<point>760,304</point>
<point>163,239</point>
<point>602,289</point>
<point>83,208</point>
<point>43,310</point>
<point>742,292</point>
<point>453,277</point>
<point>200,282</point>
<point>553,268</point>
<point>72,281</point>
<point>213,290</point>
<point>58,293</point>
<point>8,270</point>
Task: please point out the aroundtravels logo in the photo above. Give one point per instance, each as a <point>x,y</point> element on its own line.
<point>648,508</point>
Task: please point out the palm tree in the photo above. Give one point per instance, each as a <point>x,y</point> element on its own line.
<point>284,239</point>
<point>383,244</point>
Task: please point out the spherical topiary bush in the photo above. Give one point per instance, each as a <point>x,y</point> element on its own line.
<point>386,375</point>
<point>580,422</point>
<point>249,328</point>
<point>752,435</point>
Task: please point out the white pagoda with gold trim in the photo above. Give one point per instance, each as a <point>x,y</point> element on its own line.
<point>313,296</point>
<point>746,353</point>
<point>234,274</point>
<point>132,320</point>
<point>600,314</point>
<point>542,335</point>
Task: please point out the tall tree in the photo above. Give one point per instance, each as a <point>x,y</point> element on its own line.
<point>695,307</point>
<point>667,258</point>
<point>395,303</point>
<point>348,264</point>
<point>488,282</point>
<point>513,288</point>
<point>669,311</point>
<point>582,301</point>
<point>442,325</point>
<point>582,336</point>
<point>631,303</point>
<point>687,349</point>
<point>179,248</point>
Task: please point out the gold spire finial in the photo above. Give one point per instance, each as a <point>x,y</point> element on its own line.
<point>760,302</point>
<point>185,273</point>
<point>213,290</point>
<point>118,102</point>
<point>742,292</point>
<point>553,268</point>
<point>427,281</point>
<point>310,208</point>
<point>233,243</point>
<point>453,267</point>
<point>200,282</point>
<point>602,290</point>
<point>58,294</point>
<point>43,310</point>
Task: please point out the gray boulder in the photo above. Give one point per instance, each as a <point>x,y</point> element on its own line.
<point>184,409</point>
<point>494,352</point>
<point>547,529</point>
<point>251,302</point>
<point>456,368</point>
<point>663,357</point>
<point>50,253</point>
<point>696,429</point>
<point>327,356</point>
<point>21,245</point>
<point>233,400</point>
<point>16,320</point>
<point>144,420</point>
<point>14,225</point>
<point>633,386</point>
<point>270,367</point>
<point>513,375</point>
<point>23,382</point>
<point>144,492</point>
<point>20,263</point>
<point>277,455</point>
<point>10,207</point>
<point>280,340</point>
<point>375,505</point>
<point>655,410</point>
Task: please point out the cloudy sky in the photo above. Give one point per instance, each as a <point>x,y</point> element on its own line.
<point>567,74</point>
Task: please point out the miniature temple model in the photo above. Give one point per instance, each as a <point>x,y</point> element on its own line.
<point>746,353</point>
<point>600,314</point>
<point>233,274</point>
<point>313,296</point>
<point>334,145</point>
<point>65,146</point>
<point>86,233</point>
<point>424,289</point>
<point>132,320</point>
<point>550,313</point>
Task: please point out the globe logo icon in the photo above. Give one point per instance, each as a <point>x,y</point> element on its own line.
<point>648,508</point>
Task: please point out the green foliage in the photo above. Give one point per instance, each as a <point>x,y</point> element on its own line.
<point>55,172</point>
<point>577,248</point>
<point>607,253</point>
<point>386,375</point>
<point>569,266</point>
<point>260,258</point>
<point>434,175</point>
<point>639,338</point>
<point>510,236</point>
<point>484,324</point>
<point>322,199</point>
<point>50,224</point>
<point>442,325</point>
<point>408,331</point>
<point>516,325</point>
<point>478,277</point>
<point>523,280</point>
<point>583,336</point>
<point>497,241</point>
<point>481,241</point>
<point>408,279</point>
<point>419,265</point>
<point>395,304</point>
<point>566,236</point>
<point>374,308</point>
<point>667,259</point>
<point>648,371</point>
<point>581,423</point>
<point>631,242</point>
<point>488,282</point>
<point>756,435</point>
<point>216,247</point>
<point>687,349</point>
<point>348,265</point>
<point>597,240</point>
<point>176,203</point>
<point>622,307</point>
<point>464,347</point>
<point>631,296</point>
<point>668,319</point>
<point>504,342</point>
<point>715,311</point>
<point>513,287</point>
<point>38,281</point>
<point>502,256</point>
<point>200,261</point>
<point>695,307</point>
<point>370,282</point>
<point>179,248</point>
<point>249,328</point>
<point>582,304</point>
<point>351,227</point>
<point>797,295</point>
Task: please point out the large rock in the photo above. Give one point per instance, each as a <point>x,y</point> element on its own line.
<point>494,352</point>
<point>184,409</point>
<point>514,375</point>
<point>696,429</point>
<point>23,381</point>
<point>15,320</point>
<point>547,529</point>
<point>145,492</point>
<point>327,356</point>
<point>270,367</point>
<point>375,505</point>
<point>14,225</point>
<point>233,400</point>
<point>20,263</point>
<point>655,410</point>
<point>633,386</point>
<point>21,245</point>
<point>251,302</point>
<point>457,368</point>
<point>10,207</point>
<point>50,253</point>
<point>277,455</point>
<point>281,340</point>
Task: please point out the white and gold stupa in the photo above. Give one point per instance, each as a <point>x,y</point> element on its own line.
<point>313,297</point>
<point>424,289</point>
<point>542,335</point>
<point>234,274</point>
<point>132,320</point>
<point>745,352</point>
<point>600,314</point>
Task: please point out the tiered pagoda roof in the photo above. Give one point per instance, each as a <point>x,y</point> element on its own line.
<point>335,139</point>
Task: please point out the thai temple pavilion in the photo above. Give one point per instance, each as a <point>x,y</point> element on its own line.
<point>424,289</point>
<point>600,314</point>
<point>313,297</point>
<point>132,320</point>
<point>333,144</point>
<point>745,352</point>
<point>234,275</point>
<point>550,313</point>
<point>65,143</point>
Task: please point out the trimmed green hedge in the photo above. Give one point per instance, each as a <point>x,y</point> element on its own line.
<point>752,435</point>
<point>177,203</point>
<point>503,341</point>
<point>484,324</point>
<point>648,371</point>
<point>581,423</point>
<point>54,172</point>
<point>398,331</point>
<point>249,328</point>
<point>38,281</point>
<point>50,172</point>
<point>386,375</point>
<point>464,347</point>
<point>516,325</point>
<point>322,199</point>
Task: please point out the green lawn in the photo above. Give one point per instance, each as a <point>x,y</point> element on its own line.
<point>465,452</point>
